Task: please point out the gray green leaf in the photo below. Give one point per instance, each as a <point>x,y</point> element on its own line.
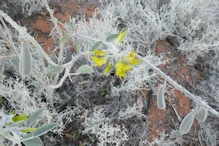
<point>160,97</point>
<point>32,142</point>
<point>186,124</point>
<point>53,69</point>
<point>85,69</point>
<point>25,64</point>
<point>112,37</point>
<point>14,62</point>
<point>34,117</point>
<point>44,129</point>
<point>202,114</point>
<point>65,37</point>
<point>96,46</point>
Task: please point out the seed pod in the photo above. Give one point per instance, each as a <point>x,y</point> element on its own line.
<point>202,114</point>
<point>186,124</point>
<point>25,60</point>
<point>160,97</point>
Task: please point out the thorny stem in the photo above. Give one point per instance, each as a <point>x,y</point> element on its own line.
<point>195,98</point>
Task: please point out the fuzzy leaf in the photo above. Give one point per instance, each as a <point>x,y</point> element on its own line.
<point>35,116</point>
<point>96,46</point>
<point>160,97</point>
<point>85,69</point>
<point>202,114</point>
<point>112,37</point>
<point>44,129</point>
<point>14,62</point>
<point>32,142</point>
<point>186,124</point>
<point>25,60</point>
<point>53,69</point>
<point>65,37</point>
<point>1,68</point>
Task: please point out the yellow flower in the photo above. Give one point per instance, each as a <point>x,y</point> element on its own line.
<point>99,53</point>
<point>131,59</point>
<point>122,68</point>
<point>121,35</point>
<point>108,68</point>
<point>99,61</point>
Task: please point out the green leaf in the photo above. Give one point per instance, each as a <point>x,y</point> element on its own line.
<point>32,119</point>
<point>44,129</point>
<point>112,37</point>
<point>65,37</point>
<point>32,142</point>
<point>1,68</point>
<point>96,46</point>
<point>14,62</point>
<point>20,118</point>
<point>103,93</point>
<point>25,64</point>
<point>85,69</point>
<point>53,69</point>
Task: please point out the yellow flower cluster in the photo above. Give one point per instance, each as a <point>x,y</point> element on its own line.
<point>125,64</point>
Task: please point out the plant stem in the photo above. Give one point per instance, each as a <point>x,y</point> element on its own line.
<point>68,67</point>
